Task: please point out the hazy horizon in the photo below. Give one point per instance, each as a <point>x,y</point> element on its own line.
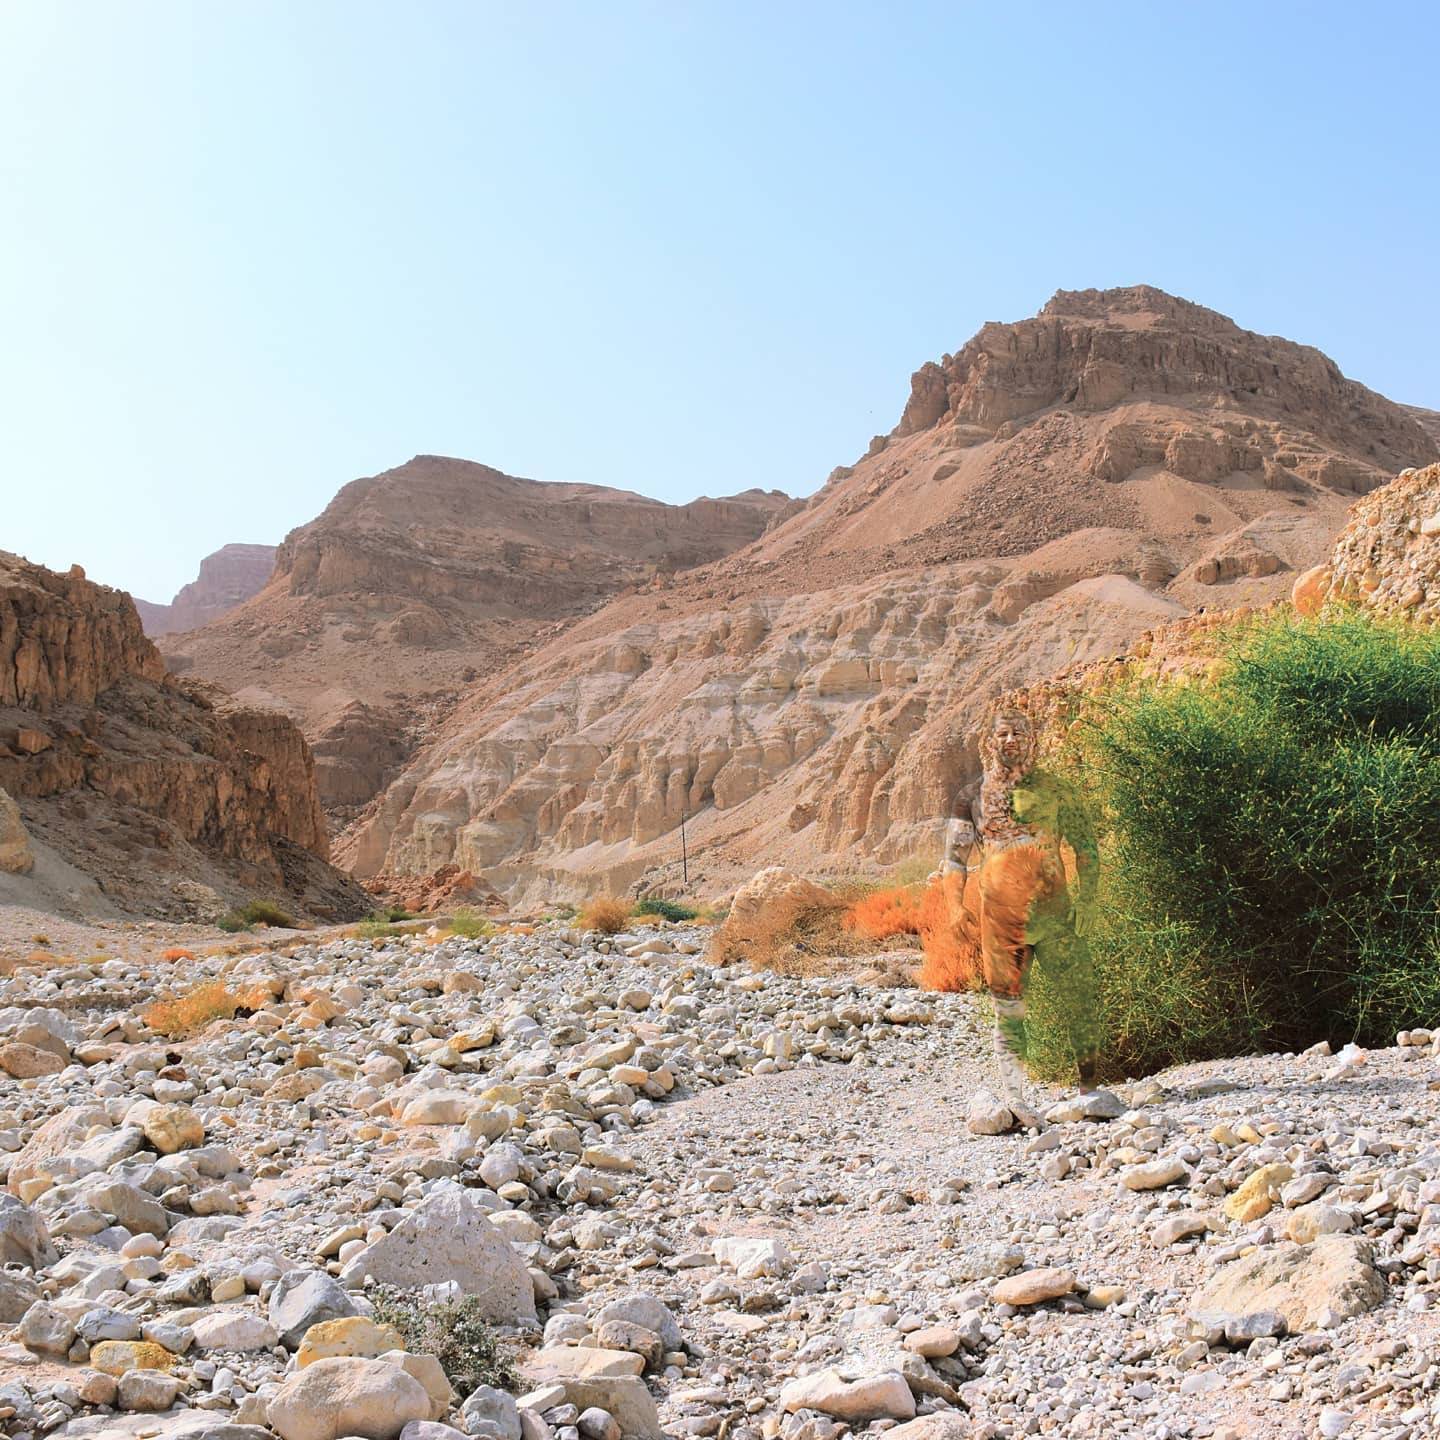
<point>254,252</point>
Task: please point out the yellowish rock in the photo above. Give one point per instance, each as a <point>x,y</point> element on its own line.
<point>115,1357</point>
<point>350,1335</point>
<point>1224,1135</point>
<point>427,1370</point>
<point>171,1128</point>
<point>1259,1194</point>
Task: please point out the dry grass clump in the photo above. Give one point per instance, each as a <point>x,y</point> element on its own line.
<point>884,914</point>
<point>190,1013</point>
<point>802,942</point>
<point>177,952</point>
<point>952,959</point>
<point>606,914</point>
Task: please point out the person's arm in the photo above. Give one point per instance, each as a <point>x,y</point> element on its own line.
<point>1073,821</point>
<point>959,837</point>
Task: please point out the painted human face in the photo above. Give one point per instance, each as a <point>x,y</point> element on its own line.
<point>1012,739</point>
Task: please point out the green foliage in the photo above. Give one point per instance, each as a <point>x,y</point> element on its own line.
<point>261,912</point>
<point>468,925</point>
<point>257,912</point>
<point>395,912</point>
<point>377,926</point>
<point>455,1332</point>
<point>1270,843</point>
<point>672,910</point>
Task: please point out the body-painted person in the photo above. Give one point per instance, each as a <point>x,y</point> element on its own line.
<point>1018,910</point>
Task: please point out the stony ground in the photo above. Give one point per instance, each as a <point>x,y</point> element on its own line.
<point>700,1202</point>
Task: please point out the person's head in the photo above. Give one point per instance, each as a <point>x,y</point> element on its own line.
<point>1010,743</point>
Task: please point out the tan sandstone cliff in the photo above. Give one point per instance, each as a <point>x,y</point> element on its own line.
<point>140,794</point>
<point>228,577</point>
<point>416,582</point>
<point>1052,491</point>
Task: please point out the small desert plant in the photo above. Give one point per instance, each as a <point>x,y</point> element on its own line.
<point>468,925</point>
<point>454,1331</point>
<point>177,952</point>
<point>605,914</point>
<point>256,912</point>
<point>190,1013</point>
<point>914,869</point>
<point>673,910</point>
<point>377,927</point>
<point>262,912</point>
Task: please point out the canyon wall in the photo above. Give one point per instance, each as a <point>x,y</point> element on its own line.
<point>1052,491</point>
<point>171,798</point>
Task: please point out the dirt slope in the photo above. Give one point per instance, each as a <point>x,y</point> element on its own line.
<point>1052,490</point>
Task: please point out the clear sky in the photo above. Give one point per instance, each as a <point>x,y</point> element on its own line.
<point>251,249</point>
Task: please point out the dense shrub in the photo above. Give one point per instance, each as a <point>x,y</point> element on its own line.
<point>672,910</point>
<point>454,1331</point>
<point>1270,841</point>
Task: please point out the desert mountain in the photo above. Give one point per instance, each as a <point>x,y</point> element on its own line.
<point>227,577</point>
<point>415,583</point>
<point>132,792</point>
<point>1052,490</point>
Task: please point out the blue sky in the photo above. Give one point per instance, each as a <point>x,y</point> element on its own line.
<point>251,250</point>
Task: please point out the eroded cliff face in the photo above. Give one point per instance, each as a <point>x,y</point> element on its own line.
<point>172,798</point>
<point>415,583</point>
<point>227,578</point>
<point>810,728</point>
<point>1054,490</point>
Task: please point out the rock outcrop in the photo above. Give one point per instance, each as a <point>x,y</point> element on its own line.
<point>172,797</point>
<point>1388,555</point>
<point>417,582</point>
<point>227,578</point>
<point>1053,491</point>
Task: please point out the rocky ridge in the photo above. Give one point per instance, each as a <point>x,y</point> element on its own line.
<point>1054,490</point>
<point>414,583</point>
<point>136,793</point>
<point>228,577</point>
<point>701,1201</point>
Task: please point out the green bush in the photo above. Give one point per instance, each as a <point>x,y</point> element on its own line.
<point>256,912</point>
<point>1270,844</point>
<point>672,910</point>
<point>468,925</point>
<point>455,1332</point>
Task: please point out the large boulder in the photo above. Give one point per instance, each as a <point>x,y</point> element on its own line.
<point>302,1298</point>
<point>779,895</point>
<point>1312,1286</point>
<point>370,1399</point>
<point>449,1237</point>
<point>24,1240</point>
<point>638,1307</point>
<point>40,1161</point>
<point>16,856</point>
<point>885,1396</point>
<point>168,1128</point>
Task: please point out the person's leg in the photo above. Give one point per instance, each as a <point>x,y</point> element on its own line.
<point>1007,884</point>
